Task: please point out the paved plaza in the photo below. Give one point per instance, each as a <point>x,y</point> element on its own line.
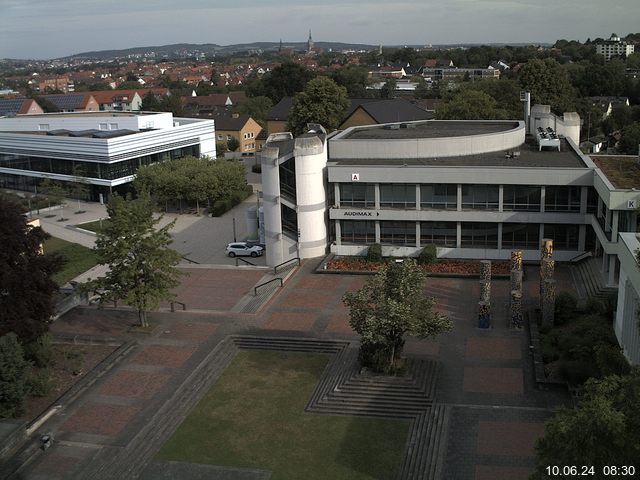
<point>486,377</point>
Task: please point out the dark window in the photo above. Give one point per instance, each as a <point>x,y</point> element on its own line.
<point>398,195</point>
<point>443,234</point>
<point>479,235</point>
<point>398,233</point>
<point>357,195</point>
<point>520,235</point>
<point>480,197</point>
<point>565,237</point>
<point>592,200</point>
<point>289,221</point>
<point>288,179</point>
<point>440,197</point>
<point>562,199</point>
<point>521,198</point>
<point>353,231</point>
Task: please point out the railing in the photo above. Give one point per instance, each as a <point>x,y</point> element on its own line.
<point>189,260</point>
<point>255,289</point>
<point>173,309</point>
<point>245,261</point>
<point>275,269</point>
<point>580,257</point>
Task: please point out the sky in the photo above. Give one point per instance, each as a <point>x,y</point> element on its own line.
<point>43,29</point>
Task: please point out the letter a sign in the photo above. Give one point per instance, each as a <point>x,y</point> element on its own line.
<point>355,177</point>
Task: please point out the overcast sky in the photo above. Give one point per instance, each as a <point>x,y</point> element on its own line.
<point>55,28</point>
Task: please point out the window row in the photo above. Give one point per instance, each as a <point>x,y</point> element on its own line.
<point>474,197</point>
<point>473,234</point>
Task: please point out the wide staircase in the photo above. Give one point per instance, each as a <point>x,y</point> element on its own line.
<point>590,280</point>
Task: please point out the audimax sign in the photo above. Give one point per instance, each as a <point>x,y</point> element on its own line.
<point>360,213</point>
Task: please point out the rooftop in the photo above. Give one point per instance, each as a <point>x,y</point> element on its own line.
<point>528,157</point>
<point>430,129</point>
<point>622,171</point>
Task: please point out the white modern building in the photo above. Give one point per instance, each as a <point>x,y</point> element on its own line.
<point>627,326</point>
<point>105,148</point>
<point>614,47</point>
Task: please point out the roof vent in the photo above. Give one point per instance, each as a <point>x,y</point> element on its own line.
<point>407,125</point>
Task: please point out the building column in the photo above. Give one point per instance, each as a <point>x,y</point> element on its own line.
<point>607,221</point>
<point>459,198</point>
<point>543,196</point>
<point>336,194</point>
<point>338,232</point>
<point>611,280</point>
<point>500,200</point>
<point>418,234</point>
<point>584,198</point>
<point>418,198</point>
<point>458,234</point>
<point>541,233</point>
<point>377,231</point>
<point>614,225</point>
<point>376,195</point>
<point>582,237</point>
<point>500,234</point>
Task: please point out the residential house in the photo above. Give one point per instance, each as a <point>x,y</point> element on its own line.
<point>118,100</point>
<point>367,111</point>
<point>64,84</point>
<point>214,104</point>
<point>73,102</point>
<point>614,47</point>
<point>19,106</point>
<point>607,104</point>
<point>277,116</point>
<point>241,127</point>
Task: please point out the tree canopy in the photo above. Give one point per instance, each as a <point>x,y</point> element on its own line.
<point>142,267</point>
<point>283,81</point>
<point>630,139</point>
<point>390,305</point>
<point>469,104</point>
<point>322,101</point>
<point>26,287</point>
<point>549,84</point>
<point>13,369</point>
<point>604,429</point>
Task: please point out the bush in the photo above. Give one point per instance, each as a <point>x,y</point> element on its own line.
<point>374,252</point>
<point>377,357</point>
<point>565,308</point>
<point>256,168</point>
<point>224,205</point>
<point>40,351</point>
<point>576,372</point>
<point>611,361</point>
<point>39,382</point>
<point>13,367</point>
<point>428,255</point>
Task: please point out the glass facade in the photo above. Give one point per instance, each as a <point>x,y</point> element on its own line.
<point>287,172</point>
<point>357,195</point>
<point>398,233</point>
<point>520,198</point>
<point>565,237</point>
<point>439,197</point>
<point>398,195</point>
<point>289,221</point>
<point>480,197</point>
<point>520,236</point>
<point>443,234</point>
<point>562,199</point>
<point>479,235</point>
<point>355,232</point>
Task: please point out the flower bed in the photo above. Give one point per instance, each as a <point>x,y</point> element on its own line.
<point>443,266</point>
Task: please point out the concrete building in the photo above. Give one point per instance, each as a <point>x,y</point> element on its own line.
<point>105,149</point>
<point>614,47</point>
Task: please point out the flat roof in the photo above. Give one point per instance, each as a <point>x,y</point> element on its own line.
<point>623,171</point>
<point>529,157</point>
<point>429,129</point>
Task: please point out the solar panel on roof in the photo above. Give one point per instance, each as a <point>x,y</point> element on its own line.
<point>66,102</point>
<point>10,106</point>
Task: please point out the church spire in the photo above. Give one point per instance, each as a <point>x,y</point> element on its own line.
<point>310,42</point>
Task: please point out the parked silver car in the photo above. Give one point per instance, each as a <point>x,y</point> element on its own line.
<point>244,249</point>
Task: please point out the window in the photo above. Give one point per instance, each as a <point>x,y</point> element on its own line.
<point>398,233</point>
<point>398,195</point>
<point>353,231</point>
<point>43,127</point>
<point>288,178</point>
<point>113,126</point>
<point>480,197</point>
<point>479,235</point>
<point>442,234</point>
<point>520,236</point>
<point>562,199</point>
<point>592,200</point>
<point>220,137</point>
<point>521,198</point>
<point>357,195</point>
<point>289,221</point>
<point>440,197</point>
<point>565,237</point>
<point>228,137</point>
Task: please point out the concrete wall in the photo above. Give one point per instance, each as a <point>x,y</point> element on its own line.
<point>626,320</point>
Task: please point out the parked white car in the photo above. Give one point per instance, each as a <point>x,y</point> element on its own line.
<point>244,249</point>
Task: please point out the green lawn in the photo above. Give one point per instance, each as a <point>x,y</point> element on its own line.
<point>79,259</point>
<point>94,226</point>
<point>254,417</point>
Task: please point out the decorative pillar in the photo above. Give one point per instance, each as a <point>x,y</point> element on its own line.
<point>516,280</point>
<point>548,303</point>
<point>546,248</point>
<point>516,260</point>
<point>485,291</point>
<point>485,270</point>
<point>516,310</point>
<point>546,252</point>
<point>484,314</point>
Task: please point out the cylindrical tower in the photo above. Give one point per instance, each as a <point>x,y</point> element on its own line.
<point>271,204</point>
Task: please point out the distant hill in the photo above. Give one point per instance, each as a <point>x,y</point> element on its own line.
<point>209,49</point>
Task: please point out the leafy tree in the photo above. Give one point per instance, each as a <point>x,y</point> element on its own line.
<point>603,430</point>
<point>322,101</point>
<point>257,108</point>
<point>52,190</point>
<point>470,105</point>
<point>423,90</point>
<point>79,187</point>
<point>13,369</point>
<point>26,288</point>
<point>173,104</point>
<point>354,78</point>
<point>150,103</point>
<point>47,105</point>
<point>221,148</point>
<point>285,80</point>
<point>388,90</point>
<point>233,144</point>
<point>630,139</point>
<point>549,84</point>
<point>390,305</point>
<point>142,267</point>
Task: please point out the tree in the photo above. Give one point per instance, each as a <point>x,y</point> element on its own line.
<point>354,78</point>
<point>142,267</point>
<point>322,101</point>
<point>26,288</point>
<point>257,108</point>
<point>470,105</point>
<point>150,103</point>
<point>630,139</point>
<point>390,305</point>
<point>603,430</point>
<point>13,369</point>
<point>549,84</point>
<point>388,90</point>
<point>79,187</point>
<point>284,81</point>
<point>233,144</point>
